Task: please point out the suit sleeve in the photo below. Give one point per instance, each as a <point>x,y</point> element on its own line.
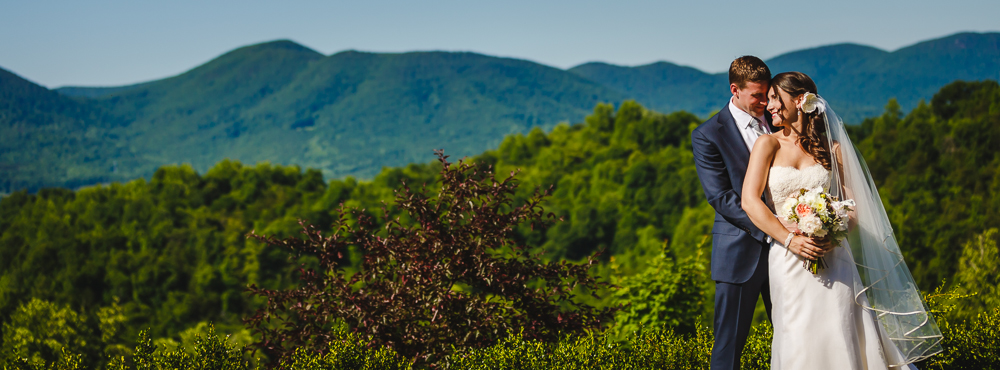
<point>718,189</point>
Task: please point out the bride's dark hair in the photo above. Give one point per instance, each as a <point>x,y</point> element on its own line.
<point>813,135</point>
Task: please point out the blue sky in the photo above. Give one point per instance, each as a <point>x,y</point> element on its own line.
<point>105,43</point>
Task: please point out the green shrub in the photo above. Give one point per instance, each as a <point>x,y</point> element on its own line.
<point>971,344</point>
<point>660,348</point>
<point>346,354</point>
<point>757,353</point>
<point>210,352</point>
<point>646,348</point>
<point>667,293</point>
<point>40,333</point>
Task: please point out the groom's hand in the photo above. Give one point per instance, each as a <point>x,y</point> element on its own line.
<point>826,243</point>
<point>806,247</point>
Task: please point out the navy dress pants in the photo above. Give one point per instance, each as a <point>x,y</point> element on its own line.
<point>734,308</point>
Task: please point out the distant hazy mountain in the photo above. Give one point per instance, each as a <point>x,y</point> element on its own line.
<point>352,113</point>
<point>857,80</point>
<point>47,139</point>
<point>662,86</point>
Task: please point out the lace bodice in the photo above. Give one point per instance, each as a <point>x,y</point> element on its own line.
<point>785,180</point>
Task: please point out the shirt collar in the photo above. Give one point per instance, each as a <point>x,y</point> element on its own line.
<point>743,119</point>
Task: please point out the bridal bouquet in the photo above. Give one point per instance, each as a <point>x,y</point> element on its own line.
<point>818,214</point>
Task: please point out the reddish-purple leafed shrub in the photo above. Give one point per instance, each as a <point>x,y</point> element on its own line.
<point>451,278</point>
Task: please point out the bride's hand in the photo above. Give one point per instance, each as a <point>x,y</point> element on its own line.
<point>805,247</point>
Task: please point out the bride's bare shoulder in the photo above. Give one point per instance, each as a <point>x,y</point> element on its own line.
<point>766,143</point>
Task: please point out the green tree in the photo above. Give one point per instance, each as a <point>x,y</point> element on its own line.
<point>42,332</point>
<point>979,275</point>
<point>669,293</point>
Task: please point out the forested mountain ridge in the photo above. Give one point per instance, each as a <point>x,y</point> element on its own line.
<point>663,86</point>
<point>48,138</point>
<point>351,113</point>
<point>854,78</point>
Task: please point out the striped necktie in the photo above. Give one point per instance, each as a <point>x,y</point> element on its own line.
<point>757,127</point>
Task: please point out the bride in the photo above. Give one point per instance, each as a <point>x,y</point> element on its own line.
<point>862,310</point>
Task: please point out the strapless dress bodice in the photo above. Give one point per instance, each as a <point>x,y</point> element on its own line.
<point>783,181</point>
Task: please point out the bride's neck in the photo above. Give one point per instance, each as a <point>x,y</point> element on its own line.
<point>794,129</point>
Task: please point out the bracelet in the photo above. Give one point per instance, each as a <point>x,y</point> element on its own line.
<point>789,239</point>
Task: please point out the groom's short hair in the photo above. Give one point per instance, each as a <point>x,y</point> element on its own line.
<point>748,68</point>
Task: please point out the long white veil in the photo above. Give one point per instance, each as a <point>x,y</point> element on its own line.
<point>884,285</point>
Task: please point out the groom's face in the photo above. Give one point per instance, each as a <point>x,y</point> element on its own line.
<point>752,98</point>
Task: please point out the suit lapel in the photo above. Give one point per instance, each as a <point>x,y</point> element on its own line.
<point>732,141</point>
<point>731,135</point>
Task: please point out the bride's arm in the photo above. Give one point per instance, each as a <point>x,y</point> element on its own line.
<point>852,216</point>
<point>754,184</point>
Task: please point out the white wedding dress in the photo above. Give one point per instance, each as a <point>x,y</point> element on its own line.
<point>817,324</point>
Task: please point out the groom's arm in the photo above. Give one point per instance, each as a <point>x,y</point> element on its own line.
<point>718,189</point>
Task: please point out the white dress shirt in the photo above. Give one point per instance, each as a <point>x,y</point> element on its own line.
<point>745,123</point>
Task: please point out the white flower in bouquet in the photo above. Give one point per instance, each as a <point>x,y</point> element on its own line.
<point>812,196</point>
<point>816,200</point>
<point>839,209</point>
<point>821,209</point>
<point>788,209</point>
<point>820,233</point>
<point>811,224</point>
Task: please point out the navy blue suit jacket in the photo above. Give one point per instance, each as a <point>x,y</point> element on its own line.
<point>721,157</point>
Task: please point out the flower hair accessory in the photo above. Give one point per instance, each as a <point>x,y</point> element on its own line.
<point>810,103</point>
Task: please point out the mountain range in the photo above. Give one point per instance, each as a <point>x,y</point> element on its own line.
<point>857,80</point>
<point>352,113</point>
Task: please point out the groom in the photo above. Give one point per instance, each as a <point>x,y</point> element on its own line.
<point>739,249</point>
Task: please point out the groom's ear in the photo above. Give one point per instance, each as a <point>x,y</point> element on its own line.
<point>734,89</point>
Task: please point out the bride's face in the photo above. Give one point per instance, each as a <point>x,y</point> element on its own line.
<point>781,105</point>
